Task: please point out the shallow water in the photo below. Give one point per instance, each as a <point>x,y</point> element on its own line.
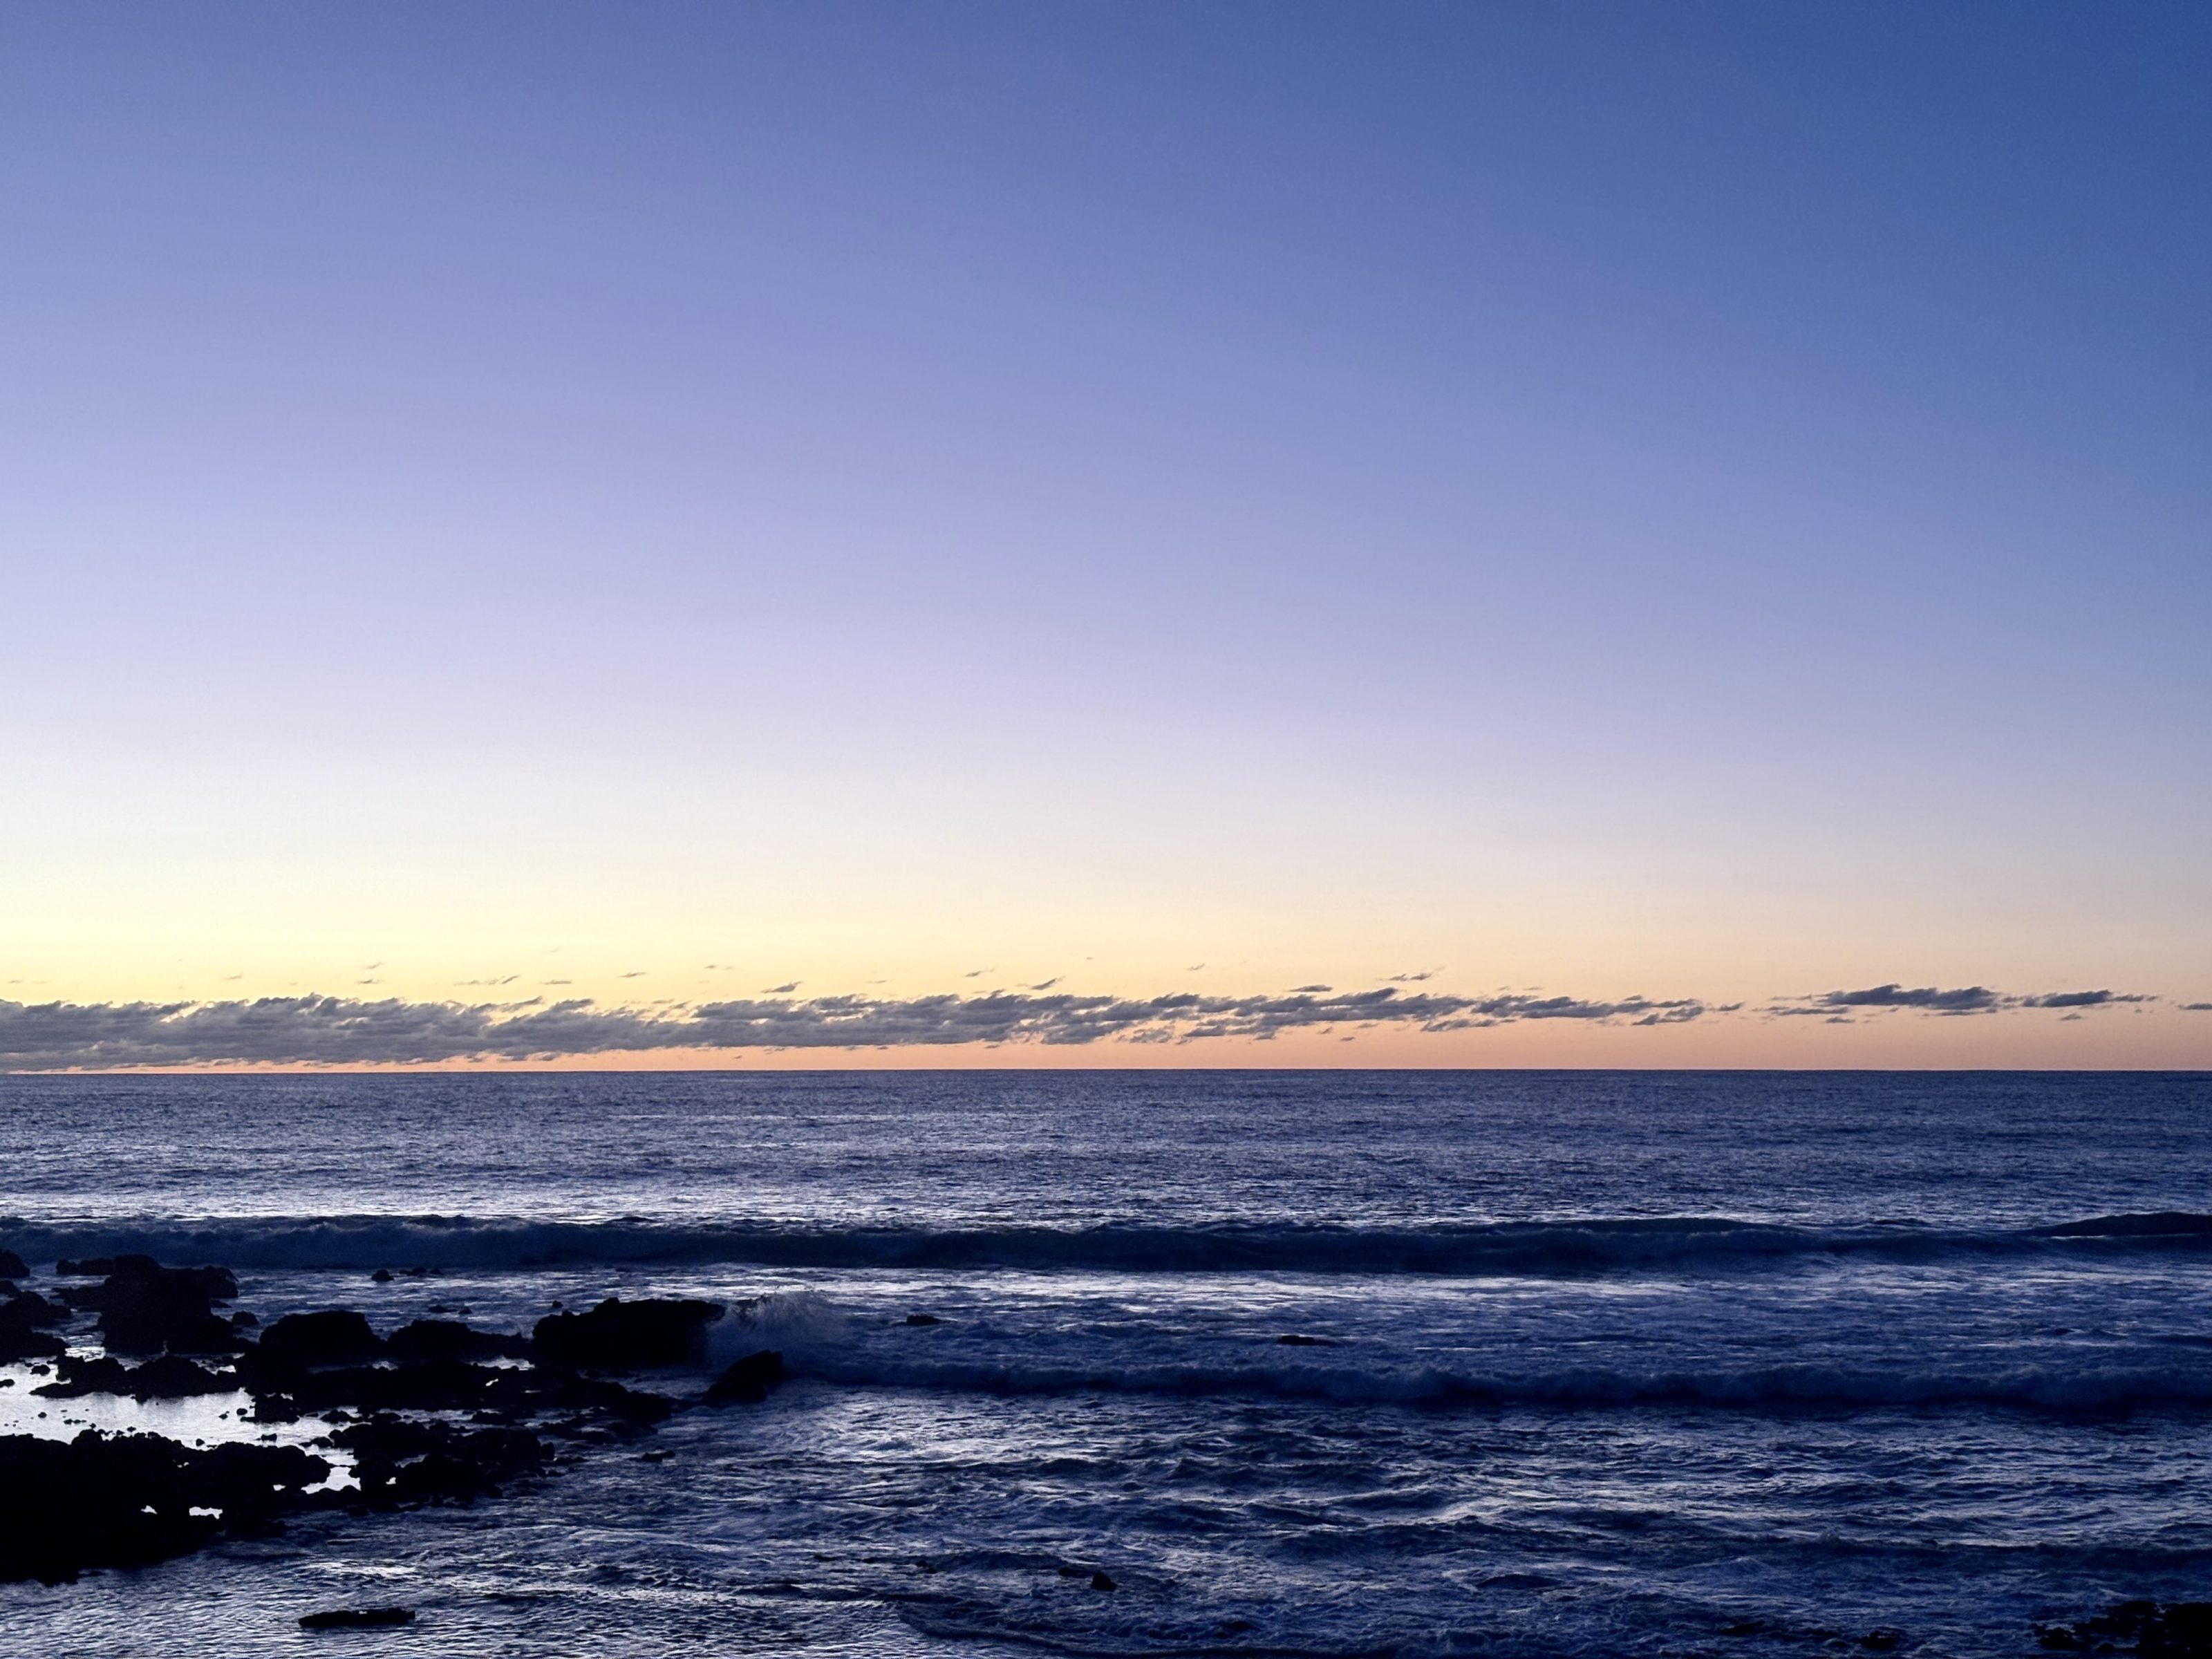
<point>1595,1364</point>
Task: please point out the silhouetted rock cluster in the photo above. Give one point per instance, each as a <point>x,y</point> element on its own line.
<point>145,1308</point>
<point>2152,1630</point>
<point>480,1407</point>
<point>619,1335</point>
<point>128,1500</point>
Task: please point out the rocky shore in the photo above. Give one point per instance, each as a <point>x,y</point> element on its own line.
<point>433,1412</point>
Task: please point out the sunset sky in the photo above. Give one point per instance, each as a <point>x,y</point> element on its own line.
<point>1681,534</point>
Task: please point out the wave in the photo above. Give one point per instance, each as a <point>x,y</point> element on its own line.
<point>2116,1385</point>
<point>1495,1249</point>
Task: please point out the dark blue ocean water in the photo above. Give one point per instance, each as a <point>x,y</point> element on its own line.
<point>1600,1363</point>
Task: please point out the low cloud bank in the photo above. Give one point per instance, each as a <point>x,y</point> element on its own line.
<point>1841,1006</point>
<point>341,1030</point>
<point>350,1031</point>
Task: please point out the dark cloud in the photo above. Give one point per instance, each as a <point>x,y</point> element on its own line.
<point>1962,999</point>
<point>2198,1007</point>
<point>340,1030</point>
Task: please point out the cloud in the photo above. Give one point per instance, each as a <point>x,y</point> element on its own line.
<point>343,1030</point>
<point>2197,1007</point>
<point>1932,999</point>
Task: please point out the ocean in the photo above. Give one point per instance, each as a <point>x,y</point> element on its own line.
<point>1577,1363</point>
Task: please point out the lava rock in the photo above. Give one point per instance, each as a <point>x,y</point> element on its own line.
<point>448,1339</point>
<point>356,1618</point>
<point>24,1319</point>
<point>129,1500</point>
<point>144,1307</point>
<point>619,1335</point>
<point>336,1336</point>
<point>171,1376</point>
<point>400,1463</point>
<point>747,1383</point>
<point>2171,1630</point>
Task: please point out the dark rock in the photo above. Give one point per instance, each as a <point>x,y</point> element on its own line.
<point>171,1376</point>
<point>243,1320</point>
<point>382,1276</point>
<point>128,1500</point>
<point>400,1463</point>
<point>12,1266</point>
<point>1881,1641</point>
<point>144,1307</point>
<point>923,1319</point>
<point>1295,1341</point>
<point>1099,1581</point>
<point>337,1336</point>
<point>356,1618</point>
<point>618,1335</point>
<point>446,1338</point>
<point>747,1383</point>
<point>23,1321</point>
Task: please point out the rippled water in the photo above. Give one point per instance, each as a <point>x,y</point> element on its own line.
<point>1589,1364</point>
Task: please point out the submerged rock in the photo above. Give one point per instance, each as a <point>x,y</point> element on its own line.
<point>619,1335</point>
<point>747,1383</point>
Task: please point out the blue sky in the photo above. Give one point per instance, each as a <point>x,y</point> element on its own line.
<point>1700,502</point>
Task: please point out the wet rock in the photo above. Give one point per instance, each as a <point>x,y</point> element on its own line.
<point>1881,1641</point>
<point>923,1319</point>
<point>1297,1341</point>
<point>618,1335</point>
<point>448,1339</point>
<point>12,1266</point>
<point>24,1321</point>
<point>171,1376</point>
<point>129,1500</point>
<point>401,1463</point>
<point>356,1618</point>
<point>747,1383</point>
<point>382,1276</point>
<point>1099,1581</point>
<point>336,1336</point>
<point>502,1393</point>
<point>145,1308</point>
<point>2171,1630</point>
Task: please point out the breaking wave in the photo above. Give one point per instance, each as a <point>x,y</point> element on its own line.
<point>1506,1248</point>
<point>2105,1384</point>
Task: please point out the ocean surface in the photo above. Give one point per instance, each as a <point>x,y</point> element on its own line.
<point>1629,1363</point>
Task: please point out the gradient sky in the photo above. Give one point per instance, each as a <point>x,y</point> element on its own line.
<point>1701,501</point>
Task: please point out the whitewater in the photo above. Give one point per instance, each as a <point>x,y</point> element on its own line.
<point>1319,1362</point>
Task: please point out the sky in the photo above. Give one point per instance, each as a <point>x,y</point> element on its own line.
<point>960,533</point>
